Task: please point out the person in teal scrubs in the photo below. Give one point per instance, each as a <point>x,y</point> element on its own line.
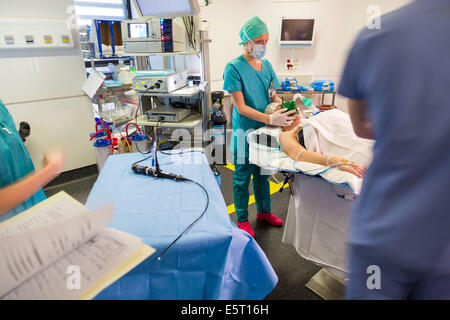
<point>20,185</point>
<point>251,82</point>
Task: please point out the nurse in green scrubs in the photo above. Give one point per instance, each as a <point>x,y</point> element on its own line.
<point>251,82</point>
<point>20,185</point>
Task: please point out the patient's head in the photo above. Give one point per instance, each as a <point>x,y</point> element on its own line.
<point>273,108</point>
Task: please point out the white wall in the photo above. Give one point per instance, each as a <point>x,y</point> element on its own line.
<point>338,23</point>
<point>43,88</point>
<point>33,8</point>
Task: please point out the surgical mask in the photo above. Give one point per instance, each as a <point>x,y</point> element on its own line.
<point>259,50</point>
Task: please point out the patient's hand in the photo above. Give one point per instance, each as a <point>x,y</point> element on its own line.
<point>358,169</point>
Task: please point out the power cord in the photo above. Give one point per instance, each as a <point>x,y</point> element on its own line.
<point>142,152</point>
<point>193,223</point>
<point>182,151</point>
<point>158,173</point>
<point>190,29</point>
<point>156,141</point>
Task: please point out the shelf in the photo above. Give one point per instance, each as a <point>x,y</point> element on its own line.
<point>183,92</point>
<point>189,122</point>
<point>306,92</point>
<point>164,54</point>
<point>110,58</point>
<point>89,70</point>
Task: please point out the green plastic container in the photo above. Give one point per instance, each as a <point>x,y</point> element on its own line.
<point>290,105</point>
<point>308,103</point>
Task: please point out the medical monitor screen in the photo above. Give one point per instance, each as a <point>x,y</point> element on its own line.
<point>137,30</point>
<point>297,30</point>
<point>150,8</point>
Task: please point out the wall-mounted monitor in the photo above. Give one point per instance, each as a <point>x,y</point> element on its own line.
<point>297,32</point>
<point>167,9</point>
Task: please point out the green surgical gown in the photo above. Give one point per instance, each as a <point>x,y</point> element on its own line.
<point>240,76</point>
<point>15,162</point>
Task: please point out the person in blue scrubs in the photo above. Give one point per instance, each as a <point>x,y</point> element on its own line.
<point>251,81</point>
<point>20,185</point>
<point>397,79</point>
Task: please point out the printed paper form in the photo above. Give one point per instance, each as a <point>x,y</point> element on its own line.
<point>101,259</point>
<point>93,82</point>
<point>95,259</point>
<point>39,236</point>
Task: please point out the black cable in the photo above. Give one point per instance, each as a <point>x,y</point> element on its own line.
<point>191,33</point>
<point>146,170</point>
<point>194,40</point>
<point>192,224</point>
<point>146,91</point>
<point>185,179</point>
<point>187,30</point>
<point>157,146</point>
<point>137,145</point>
<point>135,121</point>
<point>142,152</point>
<point>137,108</point>
<point>141,160</point>
<point>190,29</point>
<point>183,151</point>
<point>169,153</point>
<point>156,141</point>
<point>128,9</point>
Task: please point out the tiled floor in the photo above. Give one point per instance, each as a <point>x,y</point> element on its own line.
<point>293,271</point>
<point>79,189</point>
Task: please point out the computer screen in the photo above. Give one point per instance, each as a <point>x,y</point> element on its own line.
<point>137,30</point>
<point>150,8</point>
<point>297,29</point>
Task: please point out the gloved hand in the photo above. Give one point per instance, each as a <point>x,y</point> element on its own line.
<point>282,118</point>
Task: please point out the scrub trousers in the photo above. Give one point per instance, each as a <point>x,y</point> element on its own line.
<point>241,181</point>
<point>395,283</point>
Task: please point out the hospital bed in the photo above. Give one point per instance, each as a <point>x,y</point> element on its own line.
<point>320,206</point>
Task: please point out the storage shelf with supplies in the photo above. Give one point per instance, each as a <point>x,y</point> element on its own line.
<point>310,93</point>
<point>189,122</point>
<point>183,92</point>
<point>167,54</point>
<point>200,109</point>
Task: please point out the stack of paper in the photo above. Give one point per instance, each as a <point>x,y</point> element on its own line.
<point>59,249</point>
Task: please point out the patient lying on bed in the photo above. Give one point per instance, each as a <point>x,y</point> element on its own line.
<point>293,146</point>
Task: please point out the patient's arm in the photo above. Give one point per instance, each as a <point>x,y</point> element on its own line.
<point>297,152</point>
